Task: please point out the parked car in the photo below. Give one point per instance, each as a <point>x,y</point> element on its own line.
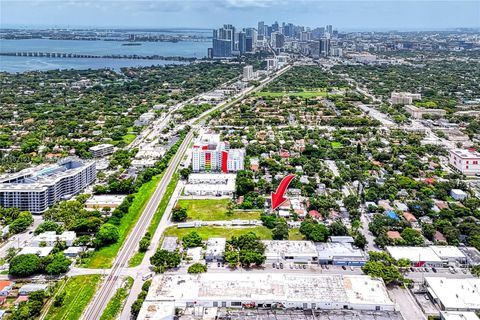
<point>147,276</point>
<point>434,270</point>
<point>281,265</point>
<point>344,268</point>
<point>304,266</point>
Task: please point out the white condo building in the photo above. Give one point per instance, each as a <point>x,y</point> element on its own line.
<point>101,150</point>
<point>209,154</point>
<point>247,73</point>
<point>36,189</point>
<point>404,97</point>
<point>467,161</point>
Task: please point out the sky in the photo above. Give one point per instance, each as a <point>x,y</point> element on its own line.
<point>345,15</point>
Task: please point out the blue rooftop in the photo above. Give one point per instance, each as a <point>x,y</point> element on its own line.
<point>392,215</point>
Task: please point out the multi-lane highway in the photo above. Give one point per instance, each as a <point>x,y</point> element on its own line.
<point>107,289</point>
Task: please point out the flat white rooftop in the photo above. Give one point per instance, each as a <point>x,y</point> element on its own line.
<point>455,294</point>
<point>465,153</point>
<point>358,290</point>
<point>331,250</point>
<point>458,315</point>
<point>211,176</point>
<point>448,252</point>
<point>41,251</point>
<point>414,254</point>
<point>289,248</point>
<point>105,200</point>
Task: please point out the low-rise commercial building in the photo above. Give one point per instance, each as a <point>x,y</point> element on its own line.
<point>432,256</point>
<point>215,249</point>
<point>32,287</point>
<point>170,244</point>
<point>290,251</point>
<point>340,253</point>
<point>419,113</point>
<point>458,315</point>
<point>450,254</point>
<point>104,201</point>
<point>36,189</point>
<point>454,294</point>
<point>101,150</point>
<point>467,161</point>
<point>40,251</point>
<point>205,184</point>
<point>144,119</point>
<point>50,238</point>
<point>458,194</point>
<point>263,290</point>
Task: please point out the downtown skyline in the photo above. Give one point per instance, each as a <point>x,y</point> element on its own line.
<point>347,15</point>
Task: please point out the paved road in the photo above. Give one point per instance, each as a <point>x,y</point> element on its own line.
<point>155,242</point>
<point>406,303</point>
<point>107,289</point>
<point>22,239</point>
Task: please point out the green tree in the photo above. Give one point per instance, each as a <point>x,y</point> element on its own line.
<point>197,268</point>
<point>232,258</point>
<point>107,234</point>
<point>314,231</point>
<point>48,226</point>
<point>58,265</point>
<point>388,273</point>
<point>475,270</point>
<point>21,223</point>
<point>192,240</point>
<point>360,241</point>
<point>179,214</point>
<point>163,259</point>
<point>337,228</point>
<point>412,237</point>
<point>280,232</point>
<point>25,265</point>
<point>143,244</point>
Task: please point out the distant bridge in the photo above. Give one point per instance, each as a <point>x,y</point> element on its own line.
<point>92,56</point>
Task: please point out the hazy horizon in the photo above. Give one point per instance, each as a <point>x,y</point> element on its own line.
<point>351,15</point>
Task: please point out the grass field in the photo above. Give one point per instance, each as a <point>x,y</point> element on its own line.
<point>294,234</point>
<point>115,305</point>
<point>302,94</point>
<point>103,258</point>
<point>128,138</point>
<point>214,209</point>
<point>78,293</point>
<point>137,258</point>
<point>207,232</point>
<point>336,145</point>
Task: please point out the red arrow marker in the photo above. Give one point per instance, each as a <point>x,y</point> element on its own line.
<point>277,197</point>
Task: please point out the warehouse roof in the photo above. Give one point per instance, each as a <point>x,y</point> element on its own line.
<point>331,250</point>
<point>455,294</point>
<point>354,289</point>
<point>413,253</point>
<point>287,247</point>
<point>446,252</point>
<point>458,315</point>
